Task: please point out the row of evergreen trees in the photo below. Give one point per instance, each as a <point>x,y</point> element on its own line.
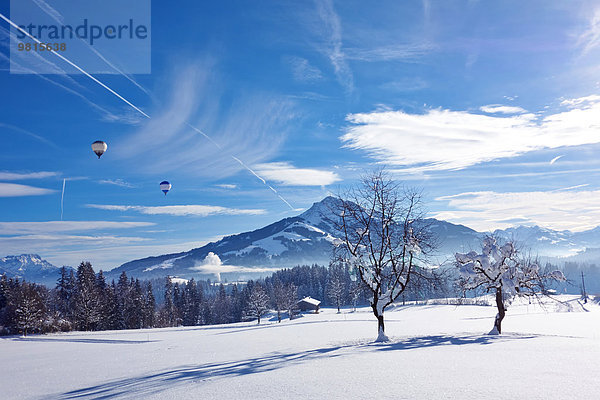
<point>84,300</point>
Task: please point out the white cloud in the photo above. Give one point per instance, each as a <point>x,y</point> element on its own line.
<point>286,174</point>
<point>449,140</point>
<point>212,264</point>
<point>581,102</point>
<point>555,159</point>
<point>499,108</point>
<point>116,182</point>
<point>16,176</point>
<point>16,190</point>
<point>560,210</point>
<point>180,210</point>
<point>37,228</point>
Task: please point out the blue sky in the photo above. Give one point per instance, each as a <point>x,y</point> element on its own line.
<point>493,108</point>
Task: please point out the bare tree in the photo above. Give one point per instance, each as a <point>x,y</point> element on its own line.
<point>258,303</point>
<point>336,285</point>
<point>500,269</point>
<point>280,294</point>
<point>383,237</point>
<point>290,299</point>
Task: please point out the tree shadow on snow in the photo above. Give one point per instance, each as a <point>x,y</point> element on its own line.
<point>196,374</point>
<point>418,342</point>
<point>81,340</point>
<point>160,381</point>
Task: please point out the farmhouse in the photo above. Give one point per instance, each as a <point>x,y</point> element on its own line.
<point>309,304</point>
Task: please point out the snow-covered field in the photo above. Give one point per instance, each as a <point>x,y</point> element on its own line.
<point>435,352</point>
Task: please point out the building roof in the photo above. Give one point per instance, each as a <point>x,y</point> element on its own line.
<point>310,300</point>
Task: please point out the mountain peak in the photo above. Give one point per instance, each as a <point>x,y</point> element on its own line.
<point>321,212</point>
<point>30,267</point>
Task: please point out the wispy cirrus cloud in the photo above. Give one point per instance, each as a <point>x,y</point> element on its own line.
<point>559,209</point>
<point>332,48</point>
<point>180,210</point>
<point>410,52</point>
<point>17,190</point>
<point>251,129</point>
<point>450,140</point>
<point>226,186</point>
<point>28,133</point>
<point>18,176</point>
<point>589,39</point>
<point>302,70</point>
<point>289,175</point>
<point>116,182</point>
<point>72,239</point>
<point>48,227</point>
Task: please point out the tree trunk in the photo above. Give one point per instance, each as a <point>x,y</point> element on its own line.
<point>278,316</point>
<point>258,320</point>
<point>381,337</point>
<point>501,312</point>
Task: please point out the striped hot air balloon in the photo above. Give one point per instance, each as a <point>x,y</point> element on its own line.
<point>99,147</point>
<point>165,186</point>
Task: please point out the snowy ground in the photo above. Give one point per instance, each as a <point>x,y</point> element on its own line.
<point>436,351</point>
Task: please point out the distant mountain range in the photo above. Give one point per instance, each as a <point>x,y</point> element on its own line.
<point>307,239</point>
<point>30,267</point>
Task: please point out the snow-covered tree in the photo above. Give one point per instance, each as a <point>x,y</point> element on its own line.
<point>29,307</point>
<point>290,299</point>
<point>279,298</point>
<point>499,269</point>
<point>336,287</point>
<point>258,303</point>
<point>383,236</point>
<point>86,301</point>
<point>285,298</point>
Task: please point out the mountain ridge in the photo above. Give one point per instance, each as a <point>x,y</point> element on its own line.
<point>307,239</point>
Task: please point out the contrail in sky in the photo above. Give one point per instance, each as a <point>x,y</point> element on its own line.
<point>73,65</point>
<point>136,108</point>
<point>62,198</point>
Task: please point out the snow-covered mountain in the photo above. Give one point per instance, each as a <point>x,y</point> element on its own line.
<point>304,239</point>
<point>307,239</point>
<point>30,267</point>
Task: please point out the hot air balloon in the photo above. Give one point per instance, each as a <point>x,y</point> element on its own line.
<point>99,147</point>
<point>165,186</point>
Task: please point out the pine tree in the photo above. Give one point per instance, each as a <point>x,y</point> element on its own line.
<point>149,306</point>
<point>65,290</point>
<point>87,305</point>
<point>237,307</point>
<point>29,307</point>
<point>221,307</point>
<point>169,312</point>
